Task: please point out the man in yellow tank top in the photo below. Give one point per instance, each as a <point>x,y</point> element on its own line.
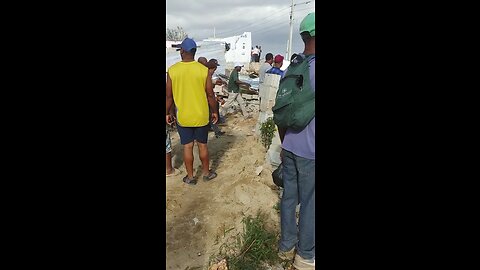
<point>189,87</point>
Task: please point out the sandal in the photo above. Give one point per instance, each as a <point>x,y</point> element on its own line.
<point>210,176</point>
<point>189,181</point>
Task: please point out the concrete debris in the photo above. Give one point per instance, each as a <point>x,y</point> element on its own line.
<point>221,265</point>
<point>259,170</point>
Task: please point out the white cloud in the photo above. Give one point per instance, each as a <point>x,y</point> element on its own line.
<point>268,20</point>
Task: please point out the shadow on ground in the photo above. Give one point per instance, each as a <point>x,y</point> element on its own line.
<point>216,150</point>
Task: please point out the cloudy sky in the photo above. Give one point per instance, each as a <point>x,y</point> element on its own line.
<point>268,20</point>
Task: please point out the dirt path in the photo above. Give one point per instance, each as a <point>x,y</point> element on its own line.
<point>200,218</point>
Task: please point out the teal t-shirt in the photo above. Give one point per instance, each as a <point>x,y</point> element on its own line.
<point>232,85</point>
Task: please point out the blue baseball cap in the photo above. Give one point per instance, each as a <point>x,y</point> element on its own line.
<point>188,44</point>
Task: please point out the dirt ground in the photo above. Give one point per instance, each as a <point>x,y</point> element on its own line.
<point>202,217</point>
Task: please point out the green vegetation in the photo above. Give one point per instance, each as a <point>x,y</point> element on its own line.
<point>254,248</point>
<point>267,130</point>
<point>277,207</point>
<point>176,34</point>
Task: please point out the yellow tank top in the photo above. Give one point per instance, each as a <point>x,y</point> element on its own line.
<point>188,87</point>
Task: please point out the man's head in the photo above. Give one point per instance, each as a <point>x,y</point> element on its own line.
<point>212,63</point>
<point>278,60</point>
<point>202,60</point>
<point>238,66</point>
<point>269,58</point>
<point>187,49</point>
<point>307,27</point>
<point>307,32</point>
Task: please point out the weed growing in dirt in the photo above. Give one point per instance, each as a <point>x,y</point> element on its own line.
<point>253,249</point>
<point>277,207</point>
<point>267,129</point>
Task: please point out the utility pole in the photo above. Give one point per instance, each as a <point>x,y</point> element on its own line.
<point>289,48</point>
<point>289,51</point>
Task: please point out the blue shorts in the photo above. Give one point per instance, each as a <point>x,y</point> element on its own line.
<point>189,134</point>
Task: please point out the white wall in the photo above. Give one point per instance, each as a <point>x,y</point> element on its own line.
<point>240,48</point>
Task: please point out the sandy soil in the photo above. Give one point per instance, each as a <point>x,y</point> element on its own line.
<point>198,216</point>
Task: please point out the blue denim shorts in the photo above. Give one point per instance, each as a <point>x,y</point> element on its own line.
<point>189,134</point>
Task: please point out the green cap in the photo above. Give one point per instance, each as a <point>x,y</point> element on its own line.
<point>308,24</point>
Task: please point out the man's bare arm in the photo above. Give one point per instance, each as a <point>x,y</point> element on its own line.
<point>210,95</point>
<point>169,104</point>
<point>169,95</point>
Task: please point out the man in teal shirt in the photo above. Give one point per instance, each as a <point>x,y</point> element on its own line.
<point>234,91</point>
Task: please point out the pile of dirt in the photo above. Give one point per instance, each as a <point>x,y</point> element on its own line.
<point>201,218</point>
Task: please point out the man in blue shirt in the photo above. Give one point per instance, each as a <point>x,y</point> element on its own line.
<point>277,64</point>
<point>298,159</point>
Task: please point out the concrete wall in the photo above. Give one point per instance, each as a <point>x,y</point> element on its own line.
<point>268,93</point>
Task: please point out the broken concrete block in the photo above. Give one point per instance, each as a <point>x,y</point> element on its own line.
<point>274,157</point>
<point>272,80</point>
<point>259,170</point>
<point>221,265</point>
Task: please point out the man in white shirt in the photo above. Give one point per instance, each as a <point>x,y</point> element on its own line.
<point>256,54</point>
<point>265,67</point>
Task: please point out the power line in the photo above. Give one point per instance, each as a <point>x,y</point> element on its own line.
<point>270,19</point>
<point>260,21</point>
<point>253,25</point>
<point>256,22</point>
<point>268,29</point>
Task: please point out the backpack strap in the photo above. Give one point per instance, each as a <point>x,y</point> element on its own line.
<point>299,79</point>
<point>310,57</point>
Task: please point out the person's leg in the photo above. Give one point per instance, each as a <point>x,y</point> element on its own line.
<point>306,193</point>
<point>241,102</point>
<point>218,110</point>
<point>169,163</point>
<point>288,204</point>
<point>169,167</point>
<point>203,153</point>
<point>201,136</point>
<point>221,120</point>
<point>186,139</point>
<point>188,159</point>
<point>213,126</point>
<point>217,130</point>
<point>228,103</point>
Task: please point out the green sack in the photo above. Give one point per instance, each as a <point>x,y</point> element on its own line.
<point>295,101</point>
